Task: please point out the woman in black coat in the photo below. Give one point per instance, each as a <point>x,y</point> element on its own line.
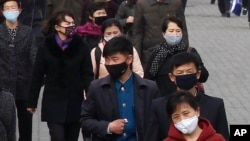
<point>63,63</point>
<point>158,67</point>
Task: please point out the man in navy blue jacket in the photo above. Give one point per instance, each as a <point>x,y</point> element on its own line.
<point>117,106</point>
<point>185,72</point>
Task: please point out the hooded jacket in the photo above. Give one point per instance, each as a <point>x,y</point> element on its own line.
<point>208,133</point>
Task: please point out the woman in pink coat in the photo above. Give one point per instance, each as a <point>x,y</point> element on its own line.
<point>110,29</point>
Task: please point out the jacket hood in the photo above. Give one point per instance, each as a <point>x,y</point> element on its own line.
<point>204,124</point>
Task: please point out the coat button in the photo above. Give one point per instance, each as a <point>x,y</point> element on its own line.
<point>122,89</point>
<point>123,104</point>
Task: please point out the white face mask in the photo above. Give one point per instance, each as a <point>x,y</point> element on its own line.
<point>107,38</point>
<point>173,39</point>
<point>187,126</point>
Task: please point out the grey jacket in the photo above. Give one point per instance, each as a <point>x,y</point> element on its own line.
<point>125,10</point>
<point>16,60</point>
<point>7,117</point>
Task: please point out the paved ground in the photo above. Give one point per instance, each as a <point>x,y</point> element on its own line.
<point>224,47</point>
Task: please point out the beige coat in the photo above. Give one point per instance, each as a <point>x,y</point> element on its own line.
<point>136,65</point>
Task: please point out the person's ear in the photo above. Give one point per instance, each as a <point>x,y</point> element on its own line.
<point>198,111</point>
<point>198,74</point>
<point>172,77</point>
<point>57,28</point>
<point>20,10</point>
<point>129,59</point>
<point>91,18</point>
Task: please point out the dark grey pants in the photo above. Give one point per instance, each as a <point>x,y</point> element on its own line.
<point>64,131</point>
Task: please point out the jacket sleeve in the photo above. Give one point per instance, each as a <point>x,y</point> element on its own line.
<point>204,72</point>
<point>151,131</point>
<point>92,54</point>
<point>138,27</point>
<point>37,78</point>
<point>180,14</point>
<point>222,124</point>
<point>87,68</point>
<point>137,66</point>
<point>32,49</point>
<point>120,15</point>
<point>89,122</point>
<point>152,126</point>
<point>11,130</point>
<point>12,133</point>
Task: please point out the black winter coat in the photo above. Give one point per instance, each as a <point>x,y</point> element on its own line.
<point>101,107</point>
<point>67,73</point>
<point>16,60</point>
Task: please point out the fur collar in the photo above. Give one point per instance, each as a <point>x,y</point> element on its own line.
<point>73,48</point>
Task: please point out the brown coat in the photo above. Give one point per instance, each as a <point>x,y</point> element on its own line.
<point>149,16</point>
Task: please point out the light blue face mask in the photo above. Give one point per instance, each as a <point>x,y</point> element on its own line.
<point>173,39</point>
<point>11,16</point>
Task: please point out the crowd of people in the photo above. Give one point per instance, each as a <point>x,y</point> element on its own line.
<point>113,70</point>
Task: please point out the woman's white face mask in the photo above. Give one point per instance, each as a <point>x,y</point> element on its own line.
<point>111,32</point>
<point>187,126</point>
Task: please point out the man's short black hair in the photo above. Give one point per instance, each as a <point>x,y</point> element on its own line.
<point>118,45</point>
<point>93,7</point>
<point>4,1</point>
<point>184,58</point>
<point>180,97</point>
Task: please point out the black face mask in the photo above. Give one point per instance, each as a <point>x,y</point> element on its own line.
<point>116,71</point>
<point>100,20</point>
<point>186,82</point>
<point>70,31</point>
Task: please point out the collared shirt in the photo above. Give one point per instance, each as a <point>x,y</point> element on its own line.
<point>12,34</point>
<point>125,94</point>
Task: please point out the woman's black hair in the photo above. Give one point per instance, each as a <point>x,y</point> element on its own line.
<point>179,97</point>
<point>56,19</point>
<point>111,22</point>
<point>165,23</point>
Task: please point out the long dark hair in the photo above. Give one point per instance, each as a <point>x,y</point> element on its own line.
<point>111,22</point>
<point>56,19</point>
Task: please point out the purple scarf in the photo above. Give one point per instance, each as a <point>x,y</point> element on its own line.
<point>89,29</point>
<point>63,44</point>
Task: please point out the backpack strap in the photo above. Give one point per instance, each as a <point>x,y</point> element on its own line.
<point>98,54</point>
